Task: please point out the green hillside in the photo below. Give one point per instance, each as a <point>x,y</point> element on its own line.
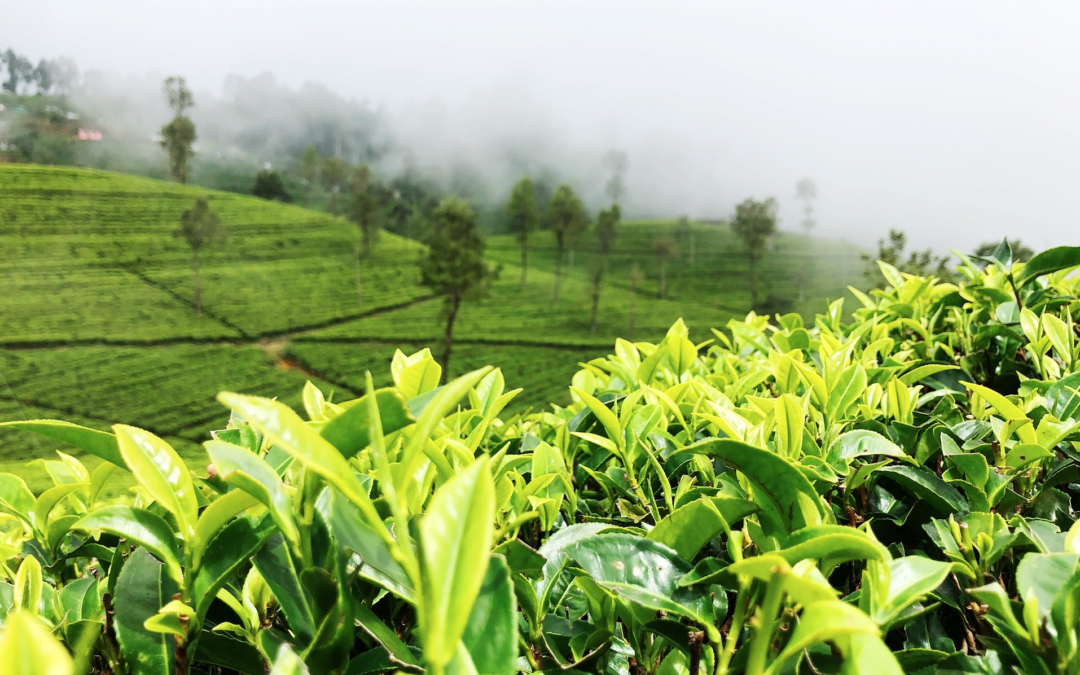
<point>97,324</point>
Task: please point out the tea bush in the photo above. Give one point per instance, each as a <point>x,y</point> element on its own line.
<point>893,494</point>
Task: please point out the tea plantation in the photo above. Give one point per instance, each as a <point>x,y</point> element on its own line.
<point>97,323</point>
<point>892,489</point>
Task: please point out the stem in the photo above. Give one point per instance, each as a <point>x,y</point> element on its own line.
<point>737,620</point>
<point>766,620</point>
<point>1016,291</point>
<point>696,638</point>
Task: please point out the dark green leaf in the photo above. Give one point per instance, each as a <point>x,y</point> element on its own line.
<point>233,546</point>
<point>925,485</point>
<point>688,528</point>
<point>491,634</point>
<point>1048,262</point>
<point>781,489</point>
<point>348,432</point>
<point>94,442</point>
<point>147,529</point>
<point>220,650</point>
<point>276,567</point>
<point>143,588</point>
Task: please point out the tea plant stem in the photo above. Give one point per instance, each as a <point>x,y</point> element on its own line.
<point>737,620</point>
<point>766,620</point>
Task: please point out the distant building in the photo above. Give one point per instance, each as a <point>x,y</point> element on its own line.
<point>90,135</point>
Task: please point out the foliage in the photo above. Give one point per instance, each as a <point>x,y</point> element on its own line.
<point>755,224</point>
<point>892,494</point>
<point>454,267</point>
<point>178,136</point>
<point>921,263</point>
<point>269,185</point>
<point>524,217</point>
<point>41,129</point>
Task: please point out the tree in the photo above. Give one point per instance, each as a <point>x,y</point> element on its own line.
<point>19,68</point>
<point>523,215</point>
<point>454,266</point>
<point>606,224</point>
<point>333,172</point>
<point>178,136</point>
<point>565,215</point>
<point>269,185</point>
<point>309,170</point>
<point>637,277</point>
<point>755,224</point>
<point>665,249</point>
<point>365,212</point>
<point>615,161</point>
<point>807,192</point>
<point>199,226</point>
<point>920,263</point>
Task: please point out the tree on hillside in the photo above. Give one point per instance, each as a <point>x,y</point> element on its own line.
<point>523,215</point>
<point>637,277</point>
<point>269,185</point>
<point>309,170</point>
<point>565,215</point>
<point>19,70</point>
<point>615,161</point>
<point>333,172</point>
<point>454,266</point>
<point>920,263</point>
<point>178,136</point>
<point>755,224</point>
<point>606,224</point>
<point>806,190</point>
<point>665,250</point>
<point>199,226</point>
<point>365,212</point>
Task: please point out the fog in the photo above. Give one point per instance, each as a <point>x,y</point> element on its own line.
<point>955,122</point>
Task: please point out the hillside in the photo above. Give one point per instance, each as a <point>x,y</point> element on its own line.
<point>97,323</point>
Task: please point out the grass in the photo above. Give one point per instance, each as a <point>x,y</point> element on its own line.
<point>97,325</point>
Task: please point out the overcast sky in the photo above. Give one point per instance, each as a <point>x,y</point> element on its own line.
<point>954,121</point>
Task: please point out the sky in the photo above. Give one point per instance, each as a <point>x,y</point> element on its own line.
<point>956,122</point>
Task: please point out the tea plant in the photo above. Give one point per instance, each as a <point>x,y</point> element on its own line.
<point>893,494</point>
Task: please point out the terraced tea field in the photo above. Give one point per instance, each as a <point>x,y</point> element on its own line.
<point>97,324</point>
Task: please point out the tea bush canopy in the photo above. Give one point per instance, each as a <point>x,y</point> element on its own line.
<point>888,489</point>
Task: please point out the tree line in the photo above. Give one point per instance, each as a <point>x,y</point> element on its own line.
<point>19,75</point>
<point>454,266</point>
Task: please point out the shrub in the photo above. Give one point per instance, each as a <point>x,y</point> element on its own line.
<point>894,494</point>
